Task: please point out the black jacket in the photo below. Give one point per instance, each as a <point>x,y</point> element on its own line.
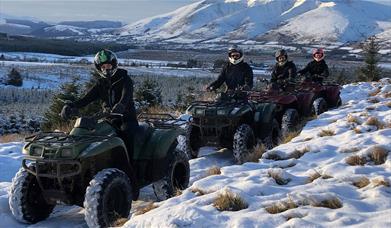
<point>315,68</point>
<point>234,76</point>
<point>285,72</point>
<point>116,90</point>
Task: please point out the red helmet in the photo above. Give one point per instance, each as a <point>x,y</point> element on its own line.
<point>318,51</point>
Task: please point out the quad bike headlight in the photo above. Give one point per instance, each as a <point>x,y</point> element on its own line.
<point>66,152</point>
<point>36,151</point>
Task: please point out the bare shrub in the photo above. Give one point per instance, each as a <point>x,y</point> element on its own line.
<point>378,155</point>
<point>215,170</point>
<point>355,160</point>
<point>361,182</point>
<point>229,201</point>
<point>277,176</point>
<point>150,206</point>
<point>326,132</point>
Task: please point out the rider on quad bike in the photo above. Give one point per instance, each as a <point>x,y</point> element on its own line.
<point>115,89</point>
<point>236,73</point>
<point>283,72</point>
<point>317,68</point>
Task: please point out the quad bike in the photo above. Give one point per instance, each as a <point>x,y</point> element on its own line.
<point>92,168</point>
<point>231,121</point>
<point>290,105</point>
<point>327,94</point>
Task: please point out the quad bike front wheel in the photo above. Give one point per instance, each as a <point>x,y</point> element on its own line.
<point>108,198</point>
<point>243,144</point>
<point>290,122</point>
<point>192,141</point>
<point>26,200</point>
<point>176,177</point>
<point>319,106</point>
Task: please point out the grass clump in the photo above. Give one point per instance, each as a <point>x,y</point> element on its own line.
<point>150,206</point>
<point>278,178</point>
<point>355,160</point>
<point>326,132</point>
<point>281,207</point>
<point>298,153</point>
<point>229,201</point>
<point>198,191</point>
<point>373,121</point>
<point>353,119</point>
<point>215,170</point>
<point>332,203</point>
<point>315,175</point>
<point>378,155</point>
<point>361,182</point>
<point>288,137</point>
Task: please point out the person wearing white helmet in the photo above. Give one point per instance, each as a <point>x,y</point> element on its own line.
<point>317,69</point>
<point>236,74</point>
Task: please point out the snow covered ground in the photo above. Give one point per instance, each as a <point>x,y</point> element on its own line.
<point>310,174</point>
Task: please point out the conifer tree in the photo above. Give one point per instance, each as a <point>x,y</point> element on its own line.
<point>371,70</point>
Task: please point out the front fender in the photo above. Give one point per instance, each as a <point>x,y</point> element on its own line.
<point>103,146</point>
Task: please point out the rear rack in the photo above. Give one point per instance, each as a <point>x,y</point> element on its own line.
<point>161,120</point>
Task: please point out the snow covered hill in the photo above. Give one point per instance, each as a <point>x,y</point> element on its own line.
<point>289,20</point>
<point>307,182</point>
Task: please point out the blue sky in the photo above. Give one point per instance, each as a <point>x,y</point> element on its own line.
<point>61,10</point>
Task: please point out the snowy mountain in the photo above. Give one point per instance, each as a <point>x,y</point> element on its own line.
<point>311,181</point>
<point>270,20</point>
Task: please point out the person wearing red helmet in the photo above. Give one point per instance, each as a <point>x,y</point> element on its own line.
<point>317,69</point>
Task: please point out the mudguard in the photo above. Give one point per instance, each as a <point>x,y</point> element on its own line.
<point>103,146</point>
<point>263,118</point>
<point>157,145</point>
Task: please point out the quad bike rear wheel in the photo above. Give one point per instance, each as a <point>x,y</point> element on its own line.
<point>176,177</point>
<point>274,137</point>
<point>289,122</point>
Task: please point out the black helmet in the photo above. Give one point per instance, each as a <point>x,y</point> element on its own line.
<point>235,48</point>
<point>103,57</point>
<point>281,52</point>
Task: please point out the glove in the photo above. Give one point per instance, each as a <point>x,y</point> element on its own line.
<point>67,111</point>
<point>118,108</point>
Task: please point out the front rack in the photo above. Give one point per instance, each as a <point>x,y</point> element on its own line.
<point>61,138</point>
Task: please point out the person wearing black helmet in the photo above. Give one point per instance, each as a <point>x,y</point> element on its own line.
<point>236,74</point>
<point>115,90</point>
<point>284,71</point>
<point>317,69</point>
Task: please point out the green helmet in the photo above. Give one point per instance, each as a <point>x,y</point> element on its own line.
<point>106,57</point>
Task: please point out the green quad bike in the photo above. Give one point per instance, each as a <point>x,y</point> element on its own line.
<point>232,122</point>
<point>90,167</point>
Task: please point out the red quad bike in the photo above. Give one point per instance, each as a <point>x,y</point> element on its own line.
<point>327,95</point>
<point>291,105</point>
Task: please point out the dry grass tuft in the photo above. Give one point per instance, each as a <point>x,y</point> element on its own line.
<point>353,119</point>
<point>259,150</point>
<point>229,201</point>
<point>388,104</point>
<point>12,138</point>
<point>355,160</point>
<point>199,192</point>
<point>313,177</point>
<point>290,136</point>
<point>120,222</point>
<point>299,153</point>
<point>357,130</point>
<point>326,132</point>
<point>281,207</point>
<point>370,108</point>
<point>378,155</point>
<point>291,216</point>
<point>374,93</point>
<point>373,100</point>
<point>361,182</point>
<point>380,181</point>
<point>178,192</point>
<point>150,206</point>
<point>332,203</point>
<point>373,121</point>
<point>326,176</point>
<point>215,170</point>
<point>277,176</point>
<point>307,139</point>
<point>387,95</point>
